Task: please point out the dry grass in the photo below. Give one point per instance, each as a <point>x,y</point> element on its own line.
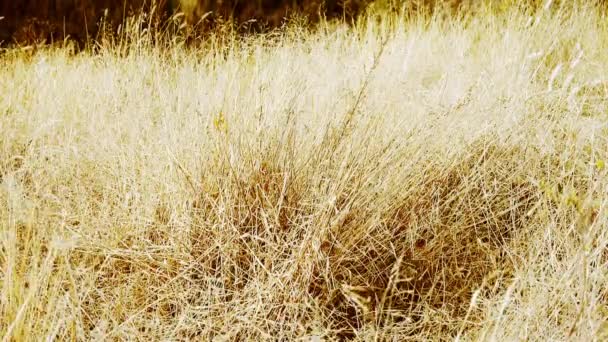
<point>398,180</point>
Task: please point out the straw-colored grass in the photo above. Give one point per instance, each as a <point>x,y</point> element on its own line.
<point>439,178</point>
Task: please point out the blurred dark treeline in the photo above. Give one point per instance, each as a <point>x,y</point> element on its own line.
<point>30,21</point>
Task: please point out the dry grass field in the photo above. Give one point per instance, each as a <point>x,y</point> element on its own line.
<point>400,179</point>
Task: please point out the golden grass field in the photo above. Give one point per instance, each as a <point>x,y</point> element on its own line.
<point>437,178</point>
